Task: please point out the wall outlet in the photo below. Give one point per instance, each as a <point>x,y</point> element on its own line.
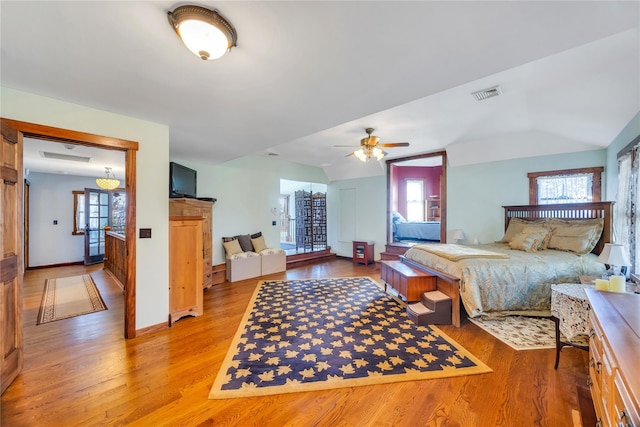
<point>55,222</point>
<point>273,223</point>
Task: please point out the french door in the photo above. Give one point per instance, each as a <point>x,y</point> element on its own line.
<point>97,208</point>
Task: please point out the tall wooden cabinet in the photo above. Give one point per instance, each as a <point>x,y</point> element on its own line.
<point>185,267</point>
<point>204,210</point>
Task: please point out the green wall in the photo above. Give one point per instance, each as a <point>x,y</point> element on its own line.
<point>247,189</point>
<point>152,175</point>
<point>476,193</point>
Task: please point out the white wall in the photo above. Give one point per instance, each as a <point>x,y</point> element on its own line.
<point>246,190</point>
<point>152,175</point>
<point>51,198</point>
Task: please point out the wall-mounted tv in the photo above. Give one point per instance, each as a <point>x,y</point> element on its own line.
<point>182,181</point>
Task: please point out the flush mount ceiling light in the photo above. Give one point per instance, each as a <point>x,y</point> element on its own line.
<point>205,32</point>
<point>109,182</point>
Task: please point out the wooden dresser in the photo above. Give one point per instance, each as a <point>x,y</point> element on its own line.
<point>203,209</point>
<point>614,357</point>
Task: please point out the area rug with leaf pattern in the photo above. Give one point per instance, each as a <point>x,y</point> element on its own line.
<point>521,332</point>
<point>319,334</point>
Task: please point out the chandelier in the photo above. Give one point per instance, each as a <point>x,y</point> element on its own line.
<point>366,152</point>
<point>109,182</point>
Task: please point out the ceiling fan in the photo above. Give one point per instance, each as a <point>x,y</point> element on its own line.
<point>370,147</point>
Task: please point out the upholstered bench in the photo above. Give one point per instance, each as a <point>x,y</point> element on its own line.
<point>272,261</point>
<point>248,257</point>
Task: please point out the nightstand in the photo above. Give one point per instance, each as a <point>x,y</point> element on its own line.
<point>362,252</point>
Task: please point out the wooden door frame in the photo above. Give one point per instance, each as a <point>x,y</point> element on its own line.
<point>443,191</point>
<point>130,148</point>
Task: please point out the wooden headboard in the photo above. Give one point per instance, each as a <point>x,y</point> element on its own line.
<point>569,211</point>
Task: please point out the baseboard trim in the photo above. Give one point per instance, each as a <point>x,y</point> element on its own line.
<point>62,264</point>
<point>151,329</point>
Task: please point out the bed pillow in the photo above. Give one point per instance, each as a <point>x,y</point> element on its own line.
<point>397,218</point>
<point>259,244</point>
<point>232,247</point>
<point>516,225</point>
<point>542,233</point>
<point>525,242</point>
<point>578,236</point>
<point>245,242</point>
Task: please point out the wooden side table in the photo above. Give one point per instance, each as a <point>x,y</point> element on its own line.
<point>363,252</point>
<point>570,313</point>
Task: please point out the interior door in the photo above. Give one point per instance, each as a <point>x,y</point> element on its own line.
<point>11,255</point>
<point>98,215</point>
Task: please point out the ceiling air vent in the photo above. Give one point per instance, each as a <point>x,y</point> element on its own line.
<point>59,156</point>
<point>486,93</point>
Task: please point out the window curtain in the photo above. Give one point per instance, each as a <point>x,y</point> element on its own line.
<point>627,208</point>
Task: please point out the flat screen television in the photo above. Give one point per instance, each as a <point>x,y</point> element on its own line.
<point>182,181</point>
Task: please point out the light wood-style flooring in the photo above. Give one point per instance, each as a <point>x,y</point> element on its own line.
<point>81,372</point>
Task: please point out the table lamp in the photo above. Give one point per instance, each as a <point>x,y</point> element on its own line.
<point>614,255</point>
<point>457,235</point>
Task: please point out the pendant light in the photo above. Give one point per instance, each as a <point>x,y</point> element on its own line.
<point>109,182</point>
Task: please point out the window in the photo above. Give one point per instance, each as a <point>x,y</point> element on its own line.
<point>565,186</point>
<point>118,200</point>
<point>78,212</point>
<point>415,200</point>
<point>627,208</point>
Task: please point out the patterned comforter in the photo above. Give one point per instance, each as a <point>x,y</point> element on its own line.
<point>520,284</point>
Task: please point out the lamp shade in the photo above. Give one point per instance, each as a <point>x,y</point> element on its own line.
<point>365,153</point>
<point>458,234</point>
<point>205,32</point>
<point>614,254</point>
<point>109,182</point>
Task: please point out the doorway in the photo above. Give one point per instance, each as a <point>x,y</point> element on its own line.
<point>66,136</point>
<point>430,220</point>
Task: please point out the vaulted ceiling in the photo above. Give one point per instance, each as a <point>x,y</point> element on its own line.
<point>306,75</point>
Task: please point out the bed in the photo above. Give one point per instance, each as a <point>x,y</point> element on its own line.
<point>513,281</point>
<point>429,230</point>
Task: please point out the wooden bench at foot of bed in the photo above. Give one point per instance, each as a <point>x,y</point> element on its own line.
<point>446,284</point>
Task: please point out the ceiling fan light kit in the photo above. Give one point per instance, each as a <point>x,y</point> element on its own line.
<point>370,147</point>
<point>205,32</point>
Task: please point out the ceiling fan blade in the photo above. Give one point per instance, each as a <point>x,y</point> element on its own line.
<point>350,146</point>
<point>350,154</point>
<point>394,144</point>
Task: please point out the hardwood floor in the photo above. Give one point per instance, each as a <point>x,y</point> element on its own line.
<point>81,371</point>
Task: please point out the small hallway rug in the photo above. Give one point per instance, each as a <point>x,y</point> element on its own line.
<point>67,297</point>
<point>521,332</point>
<point>320,334</point>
